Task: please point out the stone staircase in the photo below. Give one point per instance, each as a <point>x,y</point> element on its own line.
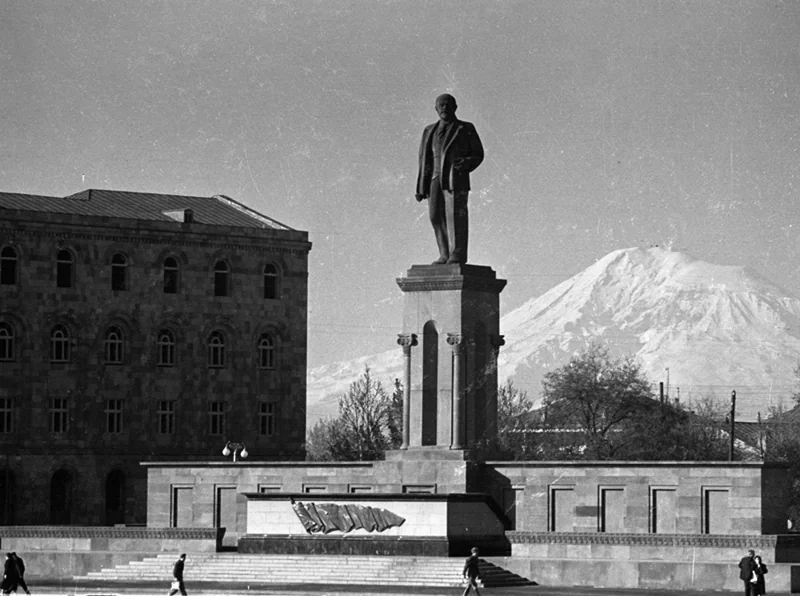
<point>240,569</point>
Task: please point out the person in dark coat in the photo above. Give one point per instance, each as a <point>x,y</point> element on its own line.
<point>760,569</point>
<point>177,574</point>
<point>20,571</point>
<point>746,568</point>
<point>10,575</point>
<point>471,572</point>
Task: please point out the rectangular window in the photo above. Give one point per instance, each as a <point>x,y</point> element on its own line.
<point>6,415</point>
<point>315,488</point>
<point>419,489</point>
<point>512,499</point>
<point>716,510</point>
<point>561,510</point>
<point>612,509</point>
<point>216,418</point>
<point>359,488</point>
<point>59,415</point>
<point>269,488</point>
<point>225,513</point>
<point>663,510</point>
<point>114,416</point>
<point>266,419</point>
<point>166,417</point>
<point>181,515</point>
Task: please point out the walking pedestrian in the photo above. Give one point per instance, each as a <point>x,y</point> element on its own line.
<point>177,575</point>
<point>747,572</point>
<point>471,572</point>
<point>20,571</point>
<point>760,570</point>
<point>10,575</point>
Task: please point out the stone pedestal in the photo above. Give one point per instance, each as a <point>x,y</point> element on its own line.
<point>372,524</point>
<point>450,339</point>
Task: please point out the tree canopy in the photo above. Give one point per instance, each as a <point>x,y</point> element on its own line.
<point>369,423</point>
<point>600,408</point>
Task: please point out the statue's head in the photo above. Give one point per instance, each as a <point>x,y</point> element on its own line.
<point>446,107</point>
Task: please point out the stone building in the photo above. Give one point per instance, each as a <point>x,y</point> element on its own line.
<point>141,327</point>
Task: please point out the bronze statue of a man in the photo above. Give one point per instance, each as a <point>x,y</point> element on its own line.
<point>449,151</point>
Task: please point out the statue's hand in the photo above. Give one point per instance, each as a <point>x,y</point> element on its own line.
<point>459,163</point>
<point>421,198</point>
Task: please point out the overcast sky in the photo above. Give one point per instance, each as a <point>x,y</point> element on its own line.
<point>605,124</point>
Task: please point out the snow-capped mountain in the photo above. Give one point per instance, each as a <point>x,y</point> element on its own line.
<point>700,328</point>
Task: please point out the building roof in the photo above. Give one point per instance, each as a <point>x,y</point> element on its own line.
<point>218,210</point>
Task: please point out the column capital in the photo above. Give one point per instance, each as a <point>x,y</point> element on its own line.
<point>407,341</point>
<point>456,342</point>
<point>497,341</point>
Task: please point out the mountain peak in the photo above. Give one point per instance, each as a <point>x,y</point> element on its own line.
<point>705,328</point>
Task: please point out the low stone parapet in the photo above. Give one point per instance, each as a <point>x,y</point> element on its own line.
<point>665,561</point>
<point>54,552</point>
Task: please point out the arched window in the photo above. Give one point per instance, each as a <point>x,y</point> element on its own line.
<point>60,497</point>
<point>170,275</point>
<point>114,345</point>
<point>8,266</point>
<point>216,349</point>
<point>266,351</point>
<point>64,273</point>
<point>221,279</point>
<point>6,342</point>
<point>430,383</point>
<point>115,498</point>
<point>119,272</point>
<point>59,344</point>
<point>271,279</point>
<point>166,348</point>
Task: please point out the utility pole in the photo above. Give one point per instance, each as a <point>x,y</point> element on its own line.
<point>733,427</point>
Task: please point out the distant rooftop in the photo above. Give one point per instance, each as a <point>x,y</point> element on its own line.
<point>218,210</point>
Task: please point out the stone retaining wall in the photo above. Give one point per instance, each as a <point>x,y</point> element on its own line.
<point>698,562</point>
<point>61,552</point>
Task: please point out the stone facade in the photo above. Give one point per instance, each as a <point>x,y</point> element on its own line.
<point>708,498</point>
<point>127,338</point>
<point>687,498</point>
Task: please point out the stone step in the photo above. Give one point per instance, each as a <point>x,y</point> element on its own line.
<point>311,569</point>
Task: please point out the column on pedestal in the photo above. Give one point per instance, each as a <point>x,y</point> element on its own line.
<point>407,341</point>
<point>497,341</point>
<point>456,343</point>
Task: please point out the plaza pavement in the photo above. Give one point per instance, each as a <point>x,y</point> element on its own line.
<point>161,588</point>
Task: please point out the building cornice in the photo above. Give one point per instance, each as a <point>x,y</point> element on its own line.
<point>204,239</point>
<point>742,541</point>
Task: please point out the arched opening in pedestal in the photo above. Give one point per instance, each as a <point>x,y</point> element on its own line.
<point>430,382</point>
<point>477,393</point>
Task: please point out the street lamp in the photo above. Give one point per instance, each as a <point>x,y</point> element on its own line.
<point>233,448</point>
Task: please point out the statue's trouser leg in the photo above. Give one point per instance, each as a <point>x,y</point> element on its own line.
<point>457,216</point>
<point>436,210</point>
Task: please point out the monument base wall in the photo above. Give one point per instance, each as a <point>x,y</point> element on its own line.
<point>696,562</point>
<point>53,552</point>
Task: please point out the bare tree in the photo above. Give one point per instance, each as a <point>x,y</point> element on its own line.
<point>518,430</point>
<point>365,428</point>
